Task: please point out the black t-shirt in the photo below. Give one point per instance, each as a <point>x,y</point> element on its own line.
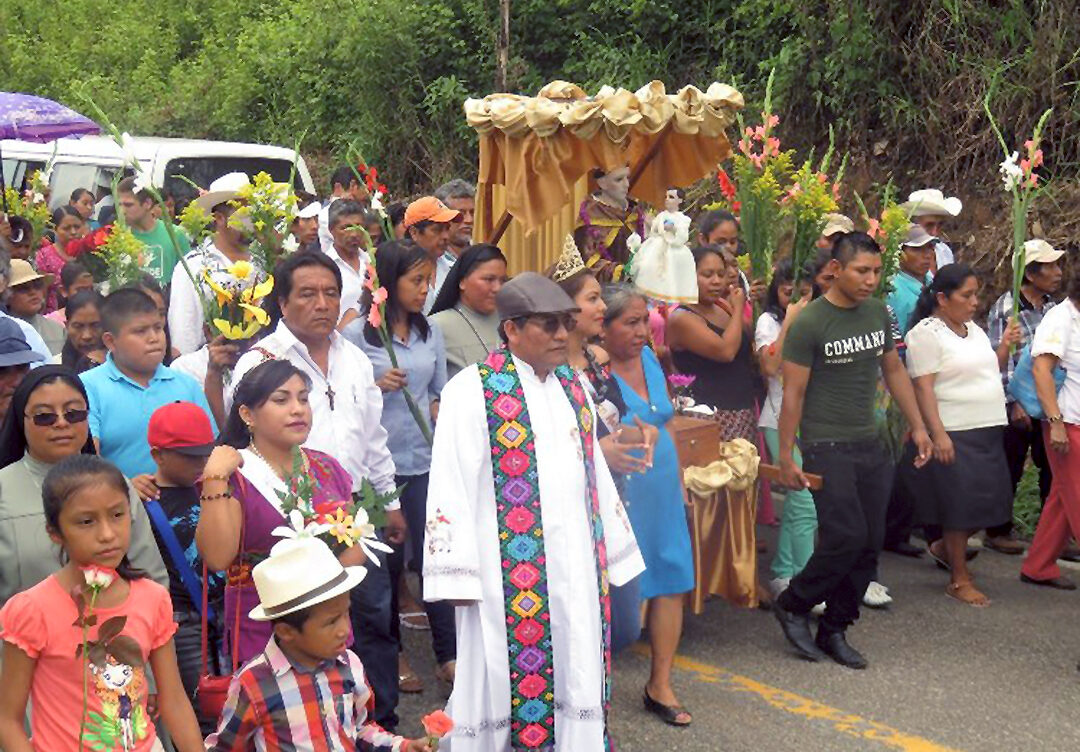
<point>181,506</point>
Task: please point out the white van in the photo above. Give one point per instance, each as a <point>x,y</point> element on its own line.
<point>91,162</point>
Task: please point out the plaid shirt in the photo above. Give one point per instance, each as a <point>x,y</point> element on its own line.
<point>275,706</point>
<point>1029,317</point>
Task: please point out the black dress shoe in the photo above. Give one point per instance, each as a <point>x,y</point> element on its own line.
<point>1060,583</point>
<point>905,549</point>
<point>835,645</point>
<point>797,631</point>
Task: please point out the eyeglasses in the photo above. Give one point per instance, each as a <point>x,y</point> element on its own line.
<point>551,322</point>
<point>48,419</point>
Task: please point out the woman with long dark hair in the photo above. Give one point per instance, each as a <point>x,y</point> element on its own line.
<point>269,421</point>
<point>47,422</point>
<point>957,382</point>
<point>465,306</point>
<point>404,270</point>
<point>71,241</point>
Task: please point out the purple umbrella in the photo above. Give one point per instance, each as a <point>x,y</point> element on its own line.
<point>29,118</point>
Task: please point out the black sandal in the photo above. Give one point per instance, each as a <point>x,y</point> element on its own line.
<point>669,714</point>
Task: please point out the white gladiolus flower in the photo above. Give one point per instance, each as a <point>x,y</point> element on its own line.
<point>142,180</point>
<point>290,244</point>
<point>127,144</point>
<point>376,202</point>
<point>365,536</point>
<point>297,529</point>
<point>1011,174</point>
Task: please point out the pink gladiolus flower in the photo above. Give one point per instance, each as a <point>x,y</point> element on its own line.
<point>374,317</point>
<point>749,132</point>
<point>772,121</point>
<point>379,296</point>
<point>759,133</point>
<point>1025,165</point>
<point>1037,158</point>
<point>1033,181</point>
<point>1029,145</point>
<point>836,191</point>
<point>773,145</point>
<point>757,159</point>
<point>873,228</point>
<point>744,147</point>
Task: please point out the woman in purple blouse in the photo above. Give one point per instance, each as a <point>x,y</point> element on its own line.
<point>269,420</point>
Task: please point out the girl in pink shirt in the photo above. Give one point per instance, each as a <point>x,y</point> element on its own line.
<point>128,628</point>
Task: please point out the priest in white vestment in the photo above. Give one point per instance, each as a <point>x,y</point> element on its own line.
<point>531,591</point>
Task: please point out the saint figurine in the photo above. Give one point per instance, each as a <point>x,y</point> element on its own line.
<point>612,225</point>
<point>663,268</point>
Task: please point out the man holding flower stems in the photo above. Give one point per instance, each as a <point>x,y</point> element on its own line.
<point>833,355</point>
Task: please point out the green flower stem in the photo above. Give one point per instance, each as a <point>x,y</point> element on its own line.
<point>388,345</point>
<point>85,663</point>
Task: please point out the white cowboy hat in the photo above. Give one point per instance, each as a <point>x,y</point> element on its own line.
<point>300,572</point>
<point>931,201</point>
<point>309,211</point>
<point>225,188</point>
<point>1034,250</point>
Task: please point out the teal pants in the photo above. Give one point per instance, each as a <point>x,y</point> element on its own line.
<point>798,522</point>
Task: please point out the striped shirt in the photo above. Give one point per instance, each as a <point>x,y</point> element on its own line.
<point>276,706</point>
<point>998,321</point>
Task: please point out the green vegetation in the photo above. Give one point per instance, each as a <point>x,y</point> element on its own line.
<point>1027,505</point>
<point>901,82</point>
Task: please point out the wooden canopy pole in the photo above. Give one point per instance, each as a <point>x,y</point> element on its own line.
<point>500,228</point>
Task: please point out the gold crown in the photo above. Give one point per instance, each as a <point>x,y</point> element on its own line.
<point>570,262</point>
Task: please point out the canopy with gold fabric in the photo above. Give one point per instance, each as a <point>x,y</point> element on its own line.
<point>536,152</point>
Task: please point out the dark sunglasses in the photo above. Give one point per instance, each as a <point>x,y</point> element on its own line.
<point>551,322</point>
<point>48,419</point>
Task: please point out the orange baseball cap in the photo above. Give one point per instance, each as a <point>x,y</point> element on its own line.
<point>429,208</point>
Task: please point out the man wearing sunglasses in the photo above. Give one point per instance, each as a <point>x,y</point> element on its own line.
<point>525,532</point>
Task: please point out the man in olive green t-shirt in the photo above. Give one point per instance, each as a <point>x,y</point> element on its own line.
<point>833,355</point>
<point>161,256</point>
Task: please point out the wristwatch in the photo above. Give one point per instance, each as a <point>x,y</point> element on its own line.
<point>1054,418</point>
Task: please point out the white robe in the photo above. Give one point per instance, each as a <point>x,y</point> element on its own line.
<point>462,561</point>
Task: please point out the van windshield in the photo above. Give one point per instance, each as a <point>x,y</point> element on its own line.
<point>204,170</point>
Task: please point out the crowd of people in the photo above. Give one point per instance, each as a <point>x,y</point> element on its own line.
<point>541,530</point>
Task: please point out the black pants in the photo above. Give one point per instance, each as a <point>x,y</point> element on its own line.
<point>440,614</point>
<point>374,642</point>
<point>851,524</point>
<point>1018,440</point>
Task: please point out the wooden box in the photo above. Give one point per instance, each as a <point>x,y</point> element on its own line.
<point>697,440</point>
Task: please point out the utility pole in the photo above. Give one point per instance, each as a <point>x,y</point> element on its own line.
<point>502,45</point>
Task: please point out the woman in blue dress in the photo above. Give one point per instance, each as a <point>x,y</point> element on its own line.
<point>655,500</point>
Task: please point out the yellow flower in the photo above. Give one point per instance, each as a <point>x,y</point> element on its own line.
<point>237,331</point>
<point>341,526</point>
<point>223,295</point>
<point>240,270</point>
<point>254,313</point>
<point>258,292</point>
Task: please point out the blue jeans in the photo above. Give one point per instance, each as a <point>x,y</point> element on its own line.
<point>374,642</point>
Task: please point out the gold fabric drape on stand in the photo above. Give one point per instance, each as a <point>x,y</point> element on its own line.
<point>722,517</point>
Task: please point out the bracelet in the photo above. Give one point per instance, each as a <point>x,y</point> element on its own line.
<point>222,478</point>
<point>215,497</point>
<point>1054,418</point>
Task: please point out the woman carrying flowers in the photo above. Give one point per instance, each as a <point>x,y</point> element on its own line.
<point>243,506</point>
<point>394,304</point>
<point>80,643</point>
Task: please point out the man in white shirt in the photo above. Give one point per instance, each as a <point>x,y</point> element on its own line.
<point>346,408</point>
<point>227,246</point>
<point>343,184</point>
<point>348,250</point>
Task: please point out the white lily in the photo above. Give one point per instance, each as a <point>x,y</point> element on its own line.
<point>290,244</point>
<point>142,180</point>
<point>365,536</point>
<point>376,202</point>
<point>297,529</point>
<point>38,198</point>
<point>1011,174</point>
<point>127,145</point>
<point>46,174</point>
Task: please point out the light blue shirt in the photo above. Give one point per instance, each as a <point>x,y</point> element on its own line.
<point>30,334</point>
<point>905,294</point>
<point>120,410</point>
<point>425,363</point>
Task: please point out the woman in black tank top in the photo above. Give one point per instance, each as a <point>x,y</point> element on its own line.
<point>709,340</point>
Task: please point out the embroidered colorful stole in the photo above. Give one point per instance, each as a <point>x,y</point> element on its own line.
<point>521,542</point>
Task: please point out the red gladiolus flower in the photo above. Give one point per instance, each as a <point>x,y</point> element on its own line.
<point>727,188</point>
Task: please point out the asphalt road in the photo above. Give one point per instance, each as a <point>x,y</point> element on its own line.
<point>943,676</point>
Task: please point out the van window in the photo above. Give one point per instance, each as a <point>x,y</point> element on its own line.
<point>18,171</point>
<point>204,170</point>
<point>67,176</point>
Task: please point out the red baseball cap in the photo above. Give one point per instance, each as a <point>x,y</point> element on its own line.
<point>181,427</point>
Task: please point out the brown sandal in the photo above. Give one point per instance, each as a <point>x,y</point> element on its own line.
<point>966,592</point>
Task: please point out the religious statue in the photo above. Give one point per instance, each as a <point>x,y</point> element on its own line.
<point>663,268</point>
<point>612,225</point>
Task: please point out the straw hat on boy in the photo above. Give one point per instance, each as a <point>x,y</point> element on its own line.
<point>282,591</point>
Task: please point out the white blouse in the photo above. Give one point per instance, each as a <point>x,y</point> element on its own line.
<point>1059,334</point>
<point>968,384</point>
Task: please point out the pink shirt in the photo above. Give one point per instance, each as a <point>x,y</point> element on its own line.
<point>40,621</point>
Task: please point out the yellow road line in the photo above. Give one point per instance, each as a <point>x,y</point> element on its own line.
<point>790,702</point>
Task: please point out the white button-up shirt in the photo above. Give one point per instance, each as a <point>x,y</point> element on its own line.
<point>346,405</point>
<point>443,265</point>
<point>352,281</point>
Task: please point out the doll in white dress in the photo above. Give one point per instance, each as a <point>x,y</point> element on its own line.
<point>663,267</point>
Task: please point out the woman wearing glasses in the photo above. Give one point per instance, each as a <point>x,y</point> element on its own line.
<point>46,423</point>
